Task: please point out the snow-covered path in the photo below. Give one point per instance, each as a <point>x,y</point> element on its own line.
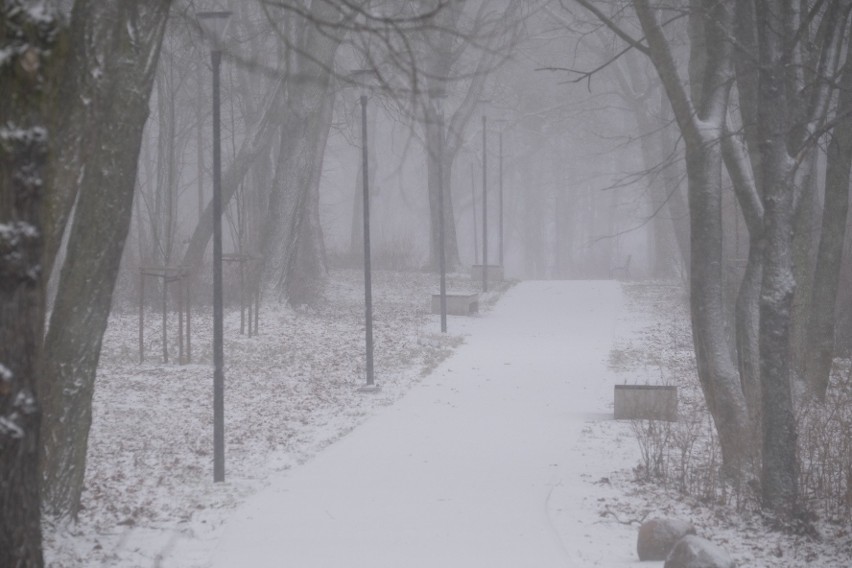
<point>461,471</point>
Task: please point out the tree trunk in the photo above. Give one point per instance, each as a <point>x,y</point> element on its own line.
<point>293,253</point>
<point>805,243</point>
<point>451,247</point>
<point>701,118</point>
<point>779,479</point>
<point>821,324</point>
<point>253,147</point>
<point>747,322</point>
<point>719,379</point>
<point>96,240</point>
<point>34,41</point>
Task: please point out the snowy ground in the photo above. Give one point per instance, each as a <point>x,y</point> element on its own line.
<point>292,391</point>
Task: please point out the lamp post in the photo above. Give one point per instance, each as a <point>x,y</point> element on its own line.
<point>362,76</point>
<point>442,253</point>
<point>502,125</point>
<point>436,97</point>
<point>214,25</point>
<point>484,207</point>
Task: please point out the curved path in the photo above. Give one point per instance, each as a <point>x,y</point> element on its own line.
<point>460,471</point>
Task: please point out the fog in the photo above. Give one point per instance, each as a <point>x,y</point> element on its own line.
<point>672,176</point>
<point>578,197</point>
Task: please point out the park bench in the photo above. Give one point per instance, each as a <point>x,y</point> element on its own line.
<point>457,304</point>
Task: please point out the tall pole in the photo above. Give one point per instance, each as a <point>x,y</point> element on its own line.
<point>218,333</point>
<point>442,259</point>
<point>473,210</point>
<point>484,209</point>
<point>501,198</point>
<point>368,292</point>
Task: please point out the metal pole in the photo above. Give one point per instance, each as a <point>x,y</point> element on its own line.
<point>165,316</point>
<point>141,316</point>
<point>501,198</point>
<point>473,210</point>
<point>188,318</point>
<point>368,285</point>
<point>442,259</point>
<point>179,283</point>
<point>218,332</point>
<point>484,210</point>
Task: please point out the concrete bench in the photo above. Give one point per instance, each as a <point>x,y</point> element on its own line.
<point>457,304</point>
<point>645,402</point>
<point>494,272</point>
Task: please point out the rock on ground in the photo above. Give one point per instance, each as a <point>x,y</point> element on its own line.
<point>657,537</point>
<point>696,552</point>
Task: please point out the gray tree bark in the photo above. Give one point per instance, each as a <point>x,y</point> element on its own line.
<point>702,126</point>
<point>126,50</point>
<point>253,147</point>
<point>32,39</point>
<point>822,323</point>
<point>292,247</point>
<point>791,109</point>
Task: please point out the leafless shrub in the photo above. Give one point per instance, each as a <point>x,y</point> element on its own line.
<point>825,449</point>
<point>654,437</point>
<point>682,455</point>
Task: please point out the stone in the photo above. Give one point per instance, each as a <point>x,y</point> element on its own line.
<point>657,537</point>
<point>457,304</point>
<point>696,552</point>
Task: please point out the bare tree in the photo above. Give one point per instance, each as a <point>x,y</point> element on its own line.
<point>784,93</point>
<point>122,41</point>
<point>31,37</point>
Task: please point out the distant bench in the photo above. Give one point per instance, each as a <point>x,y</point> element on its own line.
<point>457,304</point>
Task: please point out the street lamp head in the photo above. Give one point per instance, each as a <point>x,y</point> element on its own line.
<point>214,26</point>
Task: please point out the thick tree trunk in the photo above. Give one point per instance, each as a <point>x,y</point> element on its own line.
<point>293,255</point>
<point>747,321</point>
<point>779,479</point>
<point>254,147</point>
<point>305,278</point>
<point>96,240</point>
<point>780,476</point>
<point>35,50</point>
<point>746,307</point>
<point>717,373</point>
<point>805,243</point>
<point>451,247</point>
<point>701,119</point>
<point>821,325</point>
